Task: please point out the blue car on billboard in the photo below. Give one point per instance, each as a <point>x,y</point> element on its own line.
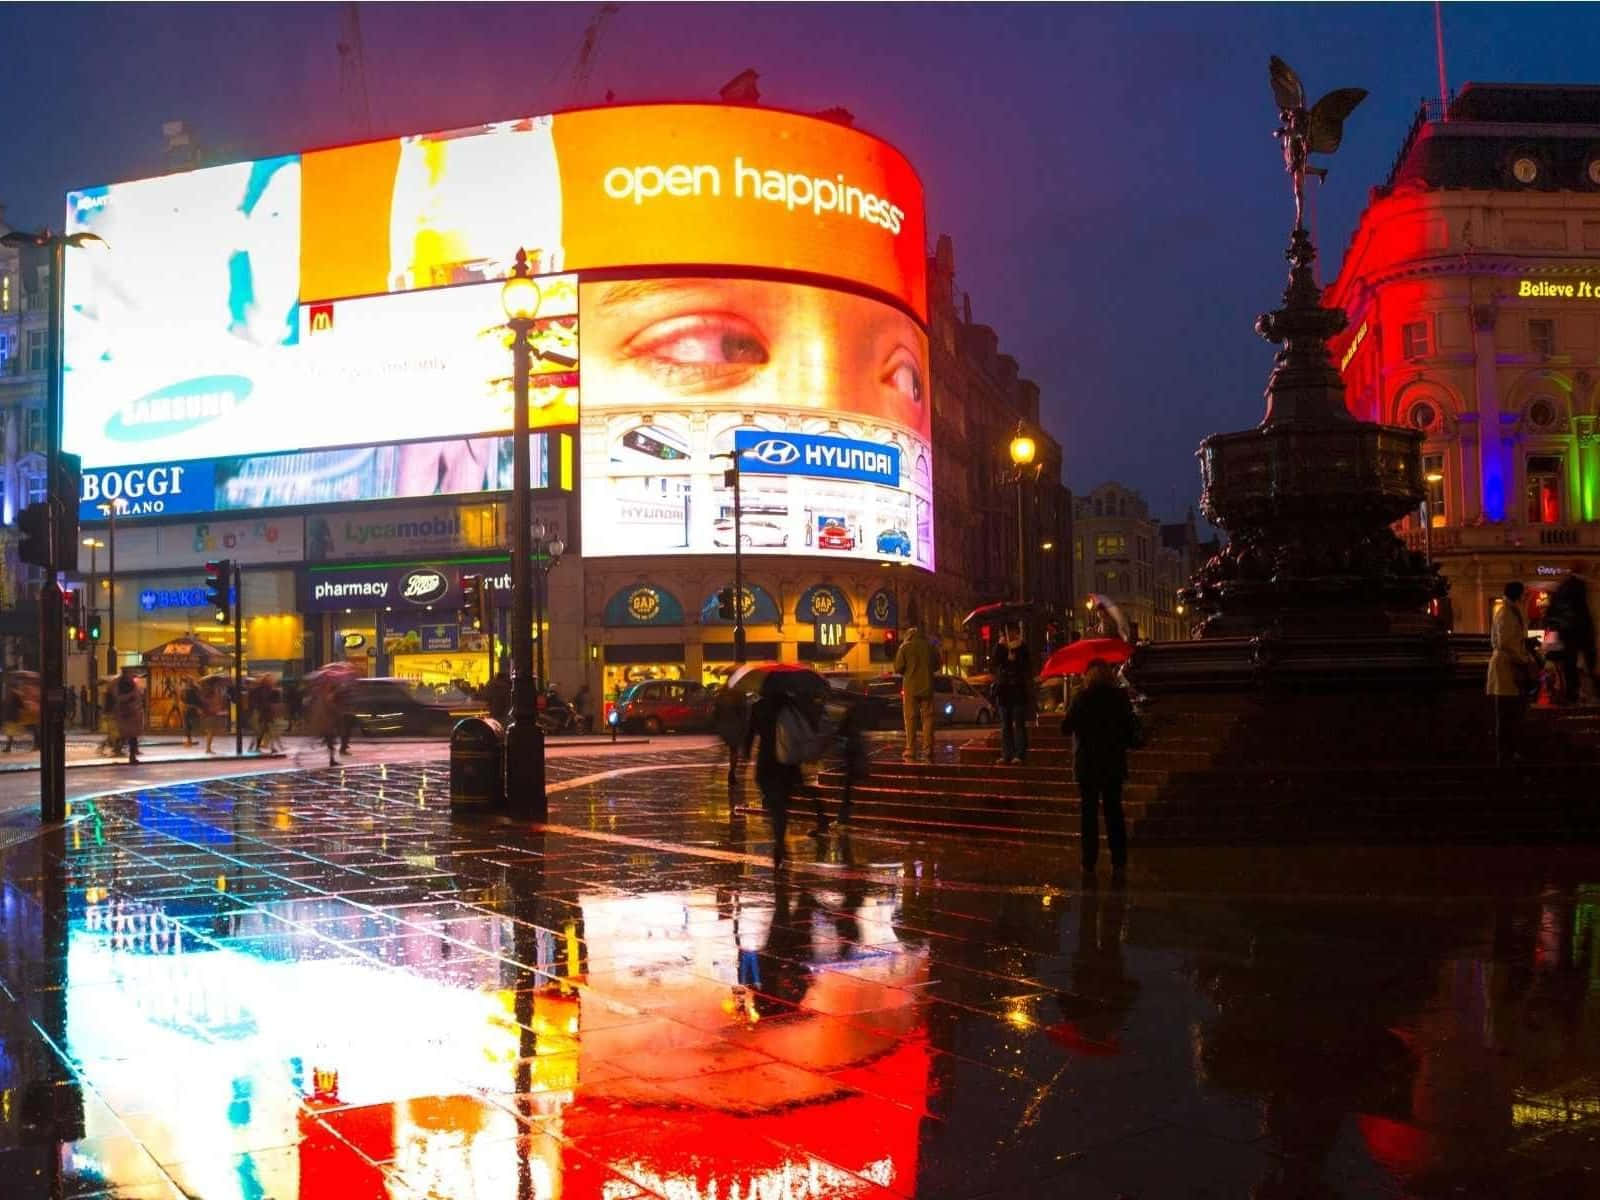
<point>894,541</point>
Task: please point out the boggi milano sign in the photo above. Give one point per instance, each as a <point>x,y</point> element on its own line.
<point>328,310</point>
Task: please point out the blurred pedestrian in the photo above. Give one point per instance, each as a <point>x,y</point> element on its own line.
<point>1012,668</point>
<point>193,710</point>
<point>582,703</point>
<point>1512,672</point>
<point>844,716</point>
<point>86,711</point>
<point>128,693</point>
<point>916,663</point>
<point>110,744</point>
<point>1104,728</point>
<point>71,711</point>
<point>325,716</point>
<point>778,773</point>
<point>1570,617</point>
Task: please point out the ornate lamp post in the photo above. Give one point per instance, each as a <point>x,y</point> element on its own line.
<point>1022,451</point>
<point>525,781</point>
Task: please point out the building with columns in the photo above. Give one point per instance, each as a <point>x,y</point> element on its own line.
<point>1473,295</point>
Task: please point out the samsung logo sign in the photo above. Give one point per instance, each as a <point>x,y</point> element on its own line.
<point>815,455</point>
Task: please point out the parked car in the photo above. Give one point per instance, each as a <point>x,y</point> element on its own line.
<point>835,537</point>
<point>955,701</point>
<point>753,531</point>
<point>400,707</point>
<point>895,541</point>
<point>664,706</point>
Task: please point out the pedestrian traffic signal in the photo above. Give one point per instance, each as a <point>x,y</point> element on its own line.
<point>72,610</point>
<point>33,522</point>
<point>94,627</point>
<point>472,601</point>
<point>725,606</point>
<point>219,576</point>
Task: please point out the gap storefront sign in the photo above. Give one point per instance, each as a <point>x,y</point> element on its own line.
<point>404,587</point>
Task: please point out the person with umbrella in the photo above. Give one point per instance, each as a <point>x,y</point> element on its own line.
<point>327,719</point>
<point>215,692</point>
<point>783,721</point>
<point>1012,668</point>
<point>1104,728</point>
<point>128,700</point>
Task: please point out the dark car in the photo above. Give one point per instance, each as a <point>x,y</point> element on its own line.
<point>880,705</point>
<point>664,706</point>
<point>400,707</point>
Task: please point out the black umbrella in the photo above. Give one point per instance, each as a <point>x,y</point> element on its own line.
<point>779,679</point>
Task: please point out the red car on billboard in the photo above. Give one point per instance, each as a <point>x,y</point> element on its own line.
<point>831,535</point>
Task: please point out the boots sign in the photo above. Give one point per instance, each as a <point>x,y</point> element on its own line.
<point>397,587</point>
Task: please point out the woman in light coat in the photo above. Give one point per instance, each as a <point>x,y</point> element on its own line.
<point>1511,672</point>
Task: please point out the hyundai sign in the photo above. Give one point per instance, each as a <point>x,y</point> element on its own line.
<point>817,456</point>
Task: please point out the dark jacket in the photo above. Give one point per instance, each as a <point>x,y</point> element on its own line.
<point>770,773</point>
<point>1013,674</point>
<point>1569,613</point>
<point>1104,727</point>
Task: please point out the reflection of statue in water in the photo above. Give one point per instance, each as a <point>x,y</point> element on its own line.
<point>1303,131</point>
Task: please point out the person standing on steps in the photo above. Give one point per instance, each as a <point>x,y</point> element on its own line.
<point>1012,668</point>
<point>1512,670</point>
<point>1104,728</point>
<point>916,664</point>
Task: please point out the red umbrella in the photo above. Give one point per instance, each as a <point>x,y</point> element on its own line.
<point>1075,657</point>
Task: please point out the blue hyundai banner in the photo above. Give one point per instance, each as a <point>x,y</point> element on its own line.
<point>766,453</point>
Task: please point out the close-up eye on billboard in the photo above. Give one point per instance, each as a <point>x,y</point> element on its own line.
<point>822,394</point>
<point>264,324</point>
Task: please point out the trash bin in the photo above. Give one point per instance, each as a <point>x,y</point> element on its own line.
<point>477,766</point>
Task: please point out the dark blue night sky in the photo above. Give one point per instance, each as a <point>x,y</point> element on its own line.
<point>1107,171</point>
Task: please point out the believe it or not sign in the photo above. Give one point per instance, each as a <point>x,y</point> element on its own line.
<point>1545,289</point>
<point>830,633</point>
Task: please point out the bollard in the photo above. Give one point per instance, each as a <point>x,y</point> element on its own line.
<point>477,766</point>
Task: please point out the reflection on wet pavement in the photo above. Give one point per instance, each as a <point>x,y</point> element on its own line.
<point>319,987</point>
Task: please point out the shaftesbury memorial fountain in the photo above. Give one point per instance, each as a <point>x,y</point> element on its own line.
<point>1314,588</point>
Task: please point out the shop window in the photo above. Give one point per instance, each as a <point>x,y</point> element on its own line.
<point>1544,490</point>
<point>1414,339</point>
<point>1433,484</point>
<point>1110,545</point>
<point>1542,336</point>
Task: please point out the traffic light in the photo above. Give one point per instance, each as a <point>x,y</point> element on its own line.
<point>725,605</point>
<point>219,578</point>
<point>33,523</point>
<point>72,611</point>
<point>94,627</point>
<point>472,601</point>
<point>69,483</point>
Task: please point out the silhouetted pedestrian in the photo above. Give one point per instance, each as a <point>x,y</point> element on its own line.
<point>778,780</point>
<point>1012,668</point>
<point>128,693</point>
<point>1104,727</point>
<point>1570,617</point>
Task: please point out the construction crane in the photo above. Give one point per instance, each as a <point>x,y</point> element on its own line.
<point>583,66</point>
<point>352,70</point>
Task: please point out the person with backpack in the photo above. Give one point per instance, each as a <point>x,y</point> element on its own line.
<point>788,739</point>
<point>1104,728</point>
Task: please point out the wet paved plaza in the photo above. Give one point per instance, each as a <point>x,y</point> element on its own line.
<point>319,987</point>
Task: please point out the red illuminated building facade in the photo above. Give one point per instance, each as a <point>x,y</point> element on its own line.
<point>1472,285</point>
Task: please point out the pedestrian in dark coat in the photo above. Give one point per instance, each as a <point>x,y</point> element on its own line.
<point>1569,615</point>
<point>778,781</point>
<point>1104,727</point>
<point>1012,668</point>
<point>128,692</point>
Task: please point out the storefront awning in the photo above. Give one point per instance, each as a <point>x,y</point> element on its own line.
<point>759,607</point>
<point>823,602</point>
<point>187,653</point>
<point>643,604</point>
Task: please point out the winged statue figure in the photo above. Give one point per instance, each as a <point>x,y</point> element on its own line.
<point>1303,131</point>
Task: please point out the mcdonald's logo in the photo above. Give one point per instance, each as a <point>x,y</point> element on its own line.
<point>321,318</point>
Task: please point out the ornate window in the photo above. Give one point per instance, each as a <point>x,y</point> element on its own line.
<point>1414,339</point>
<point>1544,489</point>
<point>1423,415</point>
<point>1542,336</point>
<point>1543,413</point>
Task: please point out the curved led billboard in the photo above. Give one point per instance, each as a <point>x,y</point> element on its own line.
<point>315,305</point>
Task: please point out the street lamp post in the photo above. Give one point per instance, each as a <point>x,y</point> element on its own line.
<point>91,716</point>
<point>731,478</point>
<point>1432,477</point>
<point>52,648</point>
<point>109,512</point>
<point>525,774</point>
<point>1022,450</point>
<point>547,552</point>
